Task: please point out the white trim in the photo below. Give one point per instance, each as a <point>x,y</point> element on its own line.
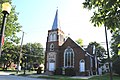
<point>70,58</point>
<point>83,49</point>
<point>52,36</point>
<point>82,65</point>
<point>71,64</point>
<point>67,58</point>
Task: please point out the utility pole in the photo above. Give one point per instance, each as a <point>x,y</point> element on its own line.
<point>110,68</point>
<point>20,54</point>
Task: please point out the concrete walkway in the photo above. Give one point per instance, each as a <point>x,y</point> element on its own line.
<point>76,77</point>
<point>82,77</point>
<point>6,73</point>
<point>36,75</point>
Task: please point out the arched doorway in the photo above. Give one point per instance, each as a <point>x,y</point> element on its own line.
<point>82,65</point>
<point>51,61</point>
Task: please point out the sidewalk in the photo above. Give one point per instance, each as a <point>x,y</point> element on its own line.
<point>74,77</point>
<point>15,72</point>
<point>4,73</point>
<point>81,77</point>
<point>37,75</point>
<point>34,75</point>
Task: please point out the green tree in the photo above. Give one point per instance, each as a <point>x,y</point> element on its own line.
<point>116,65</point>
<point>12,26</point>
<point>34,53</point>
<point>10,55</point>
<point>106,12</point>
<point>99,51</point>
<point>115,41</point>
<point>79,41</point>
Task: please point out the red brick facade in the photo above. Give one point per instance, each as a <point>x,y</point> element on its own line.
<point>64,53</point>
<point>55,58</point>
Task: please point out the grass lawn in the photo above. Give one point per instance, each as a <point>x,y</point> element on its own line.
<point>104,77</point>
<point>58,77</point>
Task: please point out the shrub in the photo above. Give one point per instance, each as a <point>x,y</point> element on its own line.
<point>86,73</point>
<point>70,72</point>
<point>116,67</point>
<point>58,71</point>
<point>39,70</point>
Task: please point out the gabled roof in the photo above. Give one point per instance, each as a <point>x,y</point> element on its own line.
<point>70,40</point>
<point>55,22</point>
<point>78,46</point>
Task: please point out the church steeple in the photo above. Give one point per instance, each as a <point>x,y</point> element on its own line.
<point>55,39</point>
<point>56,21</point>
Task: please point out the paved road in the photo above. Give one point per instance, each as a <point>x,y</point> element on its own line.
<point>7,76</point>
<point>12,77</point>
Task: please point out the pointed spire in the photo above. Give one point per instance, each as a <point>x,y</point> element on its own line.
<point>56,22</point>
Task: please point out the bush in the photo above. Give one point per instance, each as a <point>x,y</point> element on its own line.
<point>58,71</point>
<point>116,65</point>
<point>70,72</point>
<point>39,70</point>
<point>86,73</point>
<point>36,65</point>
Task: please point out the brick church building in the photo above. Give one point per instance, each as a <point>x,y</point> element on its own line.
<point>65,53</point>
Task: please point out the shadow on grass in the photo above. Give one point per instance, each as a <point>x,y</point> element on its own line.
<point>59,77</point>
<point>105,77</point>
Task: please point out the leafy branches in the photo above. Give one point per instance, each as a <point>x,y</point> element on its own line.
<point>115,41</point>
<point>106,12</point>
<point>12,26</point>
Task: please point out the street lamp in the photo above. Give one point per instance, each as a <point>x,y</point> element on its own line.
<point>6,7</point>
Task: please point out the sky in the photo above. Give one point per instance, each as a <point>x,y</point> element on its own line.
<point>36,18</point>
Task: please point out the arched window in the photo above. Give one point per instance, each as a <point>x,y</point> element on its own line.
<point>52,37</point>
<point>52,47</point>
<point>82,65</point>
<point>69,57</point>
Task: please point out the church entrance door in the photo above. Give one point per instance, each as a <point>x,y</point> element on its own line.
<point>51,66</point>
